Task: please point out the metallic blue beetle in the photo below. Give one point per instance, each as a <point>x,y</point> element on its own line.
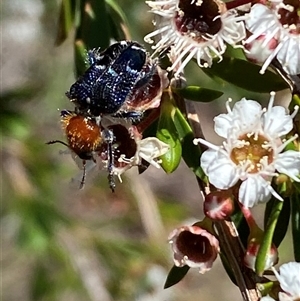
<point>111,78</point>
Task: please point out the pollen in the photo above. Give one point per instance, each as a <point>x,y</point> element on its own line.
<point>253,153</point>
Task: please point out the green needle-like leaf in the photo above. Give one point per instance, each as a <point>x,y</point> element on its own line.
<point>167,133</point>
<point>190,153</point>
<point>283,220</point>
<point>119,25</point>
<point>295,217</point>
<point>93,31</point>
<point>175,275</point>
<point>268,238</point>
<point>94,25</point>
<point>241,226</point>
<point>246,75</point>
<point>80,57</point>
<point>65,21</point>
<point>228,268</point>
<point>295,102</point>
<point>117,9</point>
<point>196,93</point>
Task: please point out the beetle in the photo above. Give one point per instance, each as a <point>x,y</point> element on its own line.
<point>85,138</point>
<point>112,76</point>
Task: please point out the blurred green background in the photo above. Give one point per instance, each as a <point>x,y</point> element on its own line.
<point>62,243</point>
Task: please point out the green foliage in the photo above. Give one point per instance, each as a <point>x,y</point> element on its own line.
<point>295,219</point>
<point>66,20</point>
<point>167,133</point>
<point>175,275</point>
<point>186,136</point>
<point>96,22</point>
<point>282,222</point>
<point>241,226</point>
<point>244,74</point>
<point>265,246</point>
<point>197,93</point>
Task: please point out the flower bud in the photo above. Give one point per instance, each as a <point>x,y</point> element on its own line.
<point>195,247</point>
<point>252,251</point>
<point>255,240</point>
<point>218,205</point>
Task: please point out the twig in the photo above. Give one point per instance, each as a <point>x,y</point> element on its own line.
<point>233,250</point>
<point>228,235</point>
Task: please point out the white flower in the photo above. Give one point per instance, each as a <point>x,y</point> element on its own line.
<point>129,149</point>
<point>194,28</point>
<point>289,279</point>
<point>252,151</point>
<point>275,33</point>
<point>150,149</point>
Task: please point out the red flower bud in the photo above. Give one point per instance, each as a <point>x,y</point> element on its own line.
<point>218,205</point>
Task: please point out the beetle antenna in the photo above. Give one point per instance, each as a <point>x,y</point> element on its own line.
<point>58,141</point>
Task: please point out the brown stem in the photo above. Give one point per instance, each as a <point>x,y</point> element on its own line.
<point>232,247</point>
<point>229,239</point>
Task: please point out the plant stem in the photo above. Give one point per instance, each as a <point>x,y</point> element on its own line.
<point>230,243</point>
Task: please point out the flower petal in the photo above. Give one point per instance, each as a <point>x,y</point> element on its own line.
<point>223,124</point>
<point>289,278</point>
<point>260,17</point>
<point>221,171</point>
<point>253,191</point>
<point>289,55</point>
<point>151,148</point>
<point>271,22</point>
<point>276,122</point>
<point>248,111</point>
<point>244,115</point>
<point>192,40</point>
<point>289,164</point>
